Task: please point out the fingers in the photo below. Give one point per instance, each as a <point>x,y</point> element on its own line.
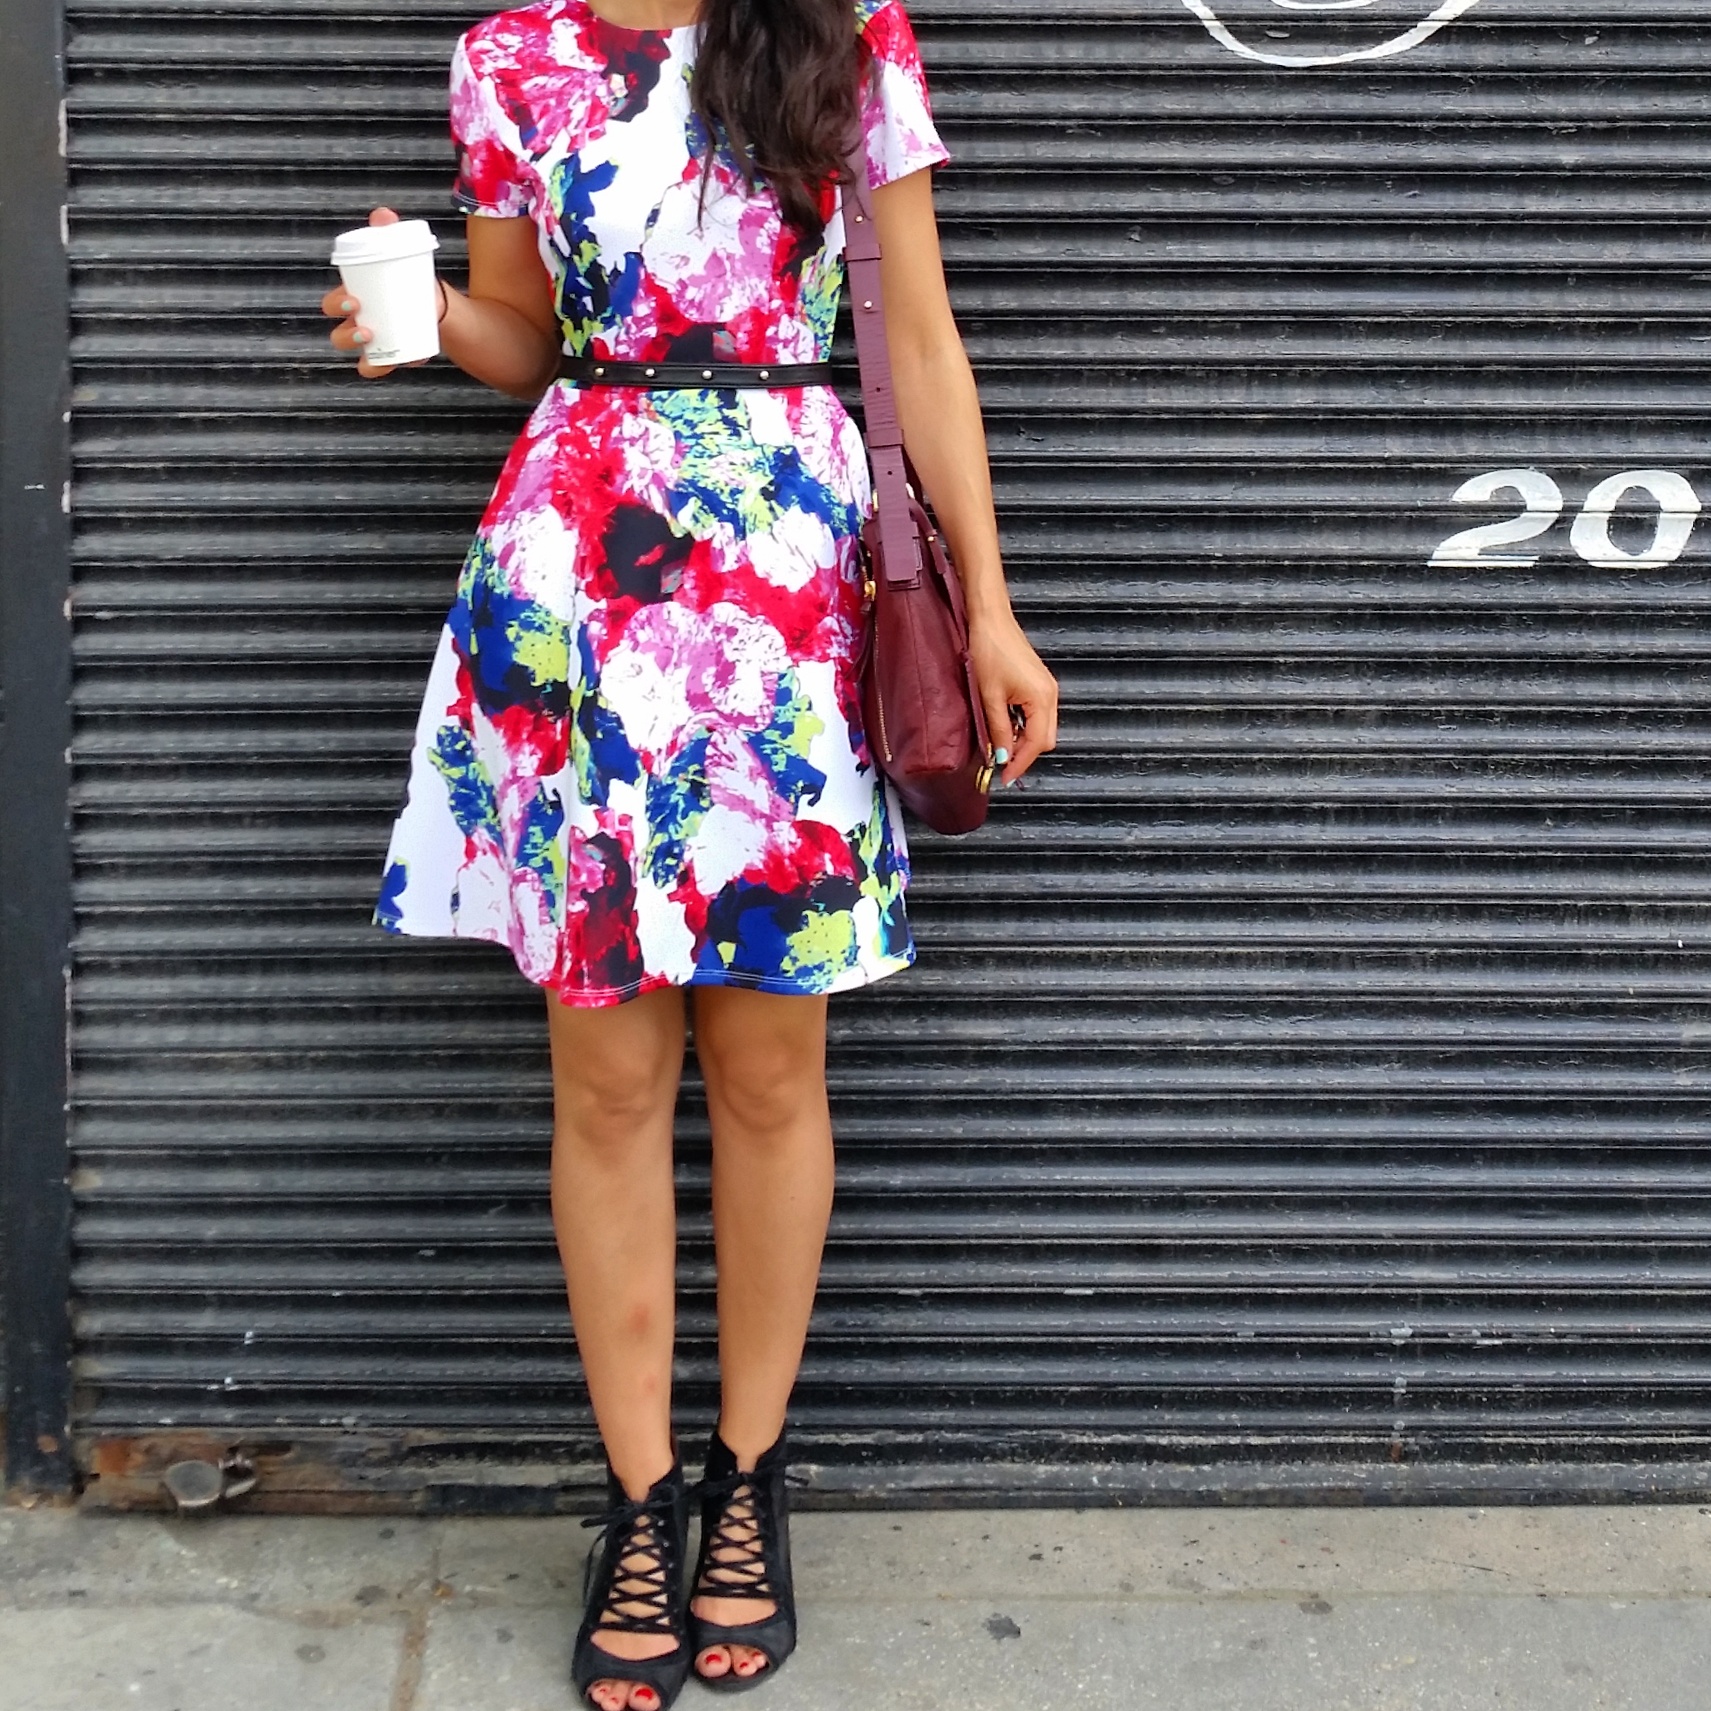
<point>383,217</point>
<point>1026,725</point>
<point>1044,717</point>
<point>1018,694</point>
<point>1027,742</point>
<point>997,724</point>
<point>350,337</point>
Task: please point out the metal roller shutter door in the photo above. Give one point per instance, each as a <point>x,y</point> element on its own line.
<point>1303,1088</point>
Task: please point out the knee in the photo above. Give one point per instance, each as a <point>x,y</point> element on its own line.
<point>762,1090</point>
<point>602,1105</point>
<point>615,1075</point>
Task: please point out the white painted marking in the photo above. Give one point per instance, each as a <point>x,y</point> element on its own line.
<point>1537,492</point>
<point>1447,13</point>
<point>1679,509</point>
<point>1678,513</point>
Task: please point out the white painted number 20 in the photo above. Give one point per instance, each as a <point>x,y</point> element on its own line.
<point>1542,501</point>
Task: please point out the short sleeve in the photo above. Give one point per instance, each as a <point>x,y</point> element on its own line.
<point>488,177</point>
<point>897,116</point>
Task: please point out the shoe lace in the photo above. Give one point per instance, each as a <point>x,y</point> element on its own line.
<point>640,1597</point>
<point>734,1562</point>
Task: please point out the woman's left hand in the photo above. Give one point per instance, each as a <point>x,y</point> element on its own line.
<point>1012,676</point>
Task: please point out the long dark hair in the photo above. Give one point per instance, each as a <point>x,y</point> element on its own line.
<point>775,83</point>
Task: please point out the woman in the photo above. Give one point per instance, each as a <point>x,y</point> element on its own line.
<point>640,763</point>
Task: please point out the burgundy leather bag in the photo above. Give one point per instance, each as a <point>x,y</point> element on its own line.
<point>925,723</point>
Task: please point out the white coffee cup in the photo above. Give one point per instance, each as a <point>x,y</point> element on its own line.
<point>389,270</point>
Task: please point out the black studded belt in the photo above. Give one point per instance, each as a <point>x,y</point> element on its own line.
<point>677,376</point>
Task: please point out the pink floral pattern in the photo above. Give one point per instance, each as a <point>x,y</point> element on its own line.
<point>640,759</point>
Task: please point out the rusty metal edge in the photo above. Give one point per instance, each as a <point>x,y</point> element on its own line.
<point>429,1474</point>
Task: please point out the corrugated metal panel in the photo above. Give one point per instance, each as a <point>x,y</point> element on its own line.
<point>1304,1078</point>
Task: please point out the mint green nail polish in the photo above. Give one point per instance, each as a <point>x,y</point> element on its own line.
<point>1000,757</point>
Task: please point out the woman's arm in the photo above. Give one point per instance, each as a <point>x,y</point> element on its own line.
<point>504,331</point>
<point>940,412</point>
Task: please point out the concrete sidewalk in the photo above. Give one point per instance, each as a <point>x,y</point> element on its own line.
<point>1244,1610</point>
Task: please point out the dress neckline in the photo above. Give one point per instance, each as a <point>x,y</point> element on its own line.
<point>586,7</point>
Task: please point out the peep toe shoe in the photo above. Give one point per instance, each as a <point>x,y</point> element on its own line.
<point>744,1554</point>
<point>633,1584</point>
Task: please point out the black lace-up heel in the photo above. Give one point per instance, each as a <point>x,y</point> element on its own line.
<point>652,1533</point>
<point>745,1553</point>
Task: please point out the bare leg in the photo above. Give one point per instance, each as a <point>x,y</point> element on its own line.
<point>615,1076</point>
<point>764,1061</point>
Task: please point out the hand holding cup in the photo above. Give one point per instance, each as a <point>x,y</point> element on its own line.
<point>393,275</point>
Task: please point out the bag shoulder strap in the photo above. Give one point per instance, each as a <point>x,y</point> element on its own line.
<point>900,550</point>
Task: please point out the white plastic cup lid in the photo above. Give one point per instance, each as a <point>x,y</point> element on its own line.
<point>384,243</point>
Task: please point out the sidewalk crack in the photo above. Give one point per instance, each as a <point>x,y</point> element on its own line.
<point>408,1682</point>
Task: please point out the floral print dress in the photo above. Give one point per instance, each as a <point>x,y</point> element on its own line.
<point>640,761</point>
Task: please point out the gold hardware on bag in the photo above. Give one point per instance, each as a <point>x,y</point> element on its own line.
<point>884,738</point>
<point>983,779</point>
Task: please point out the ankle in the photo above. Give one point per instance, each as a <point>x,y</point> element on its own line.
<point>640,1473</point>
<point>749,1445</point>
